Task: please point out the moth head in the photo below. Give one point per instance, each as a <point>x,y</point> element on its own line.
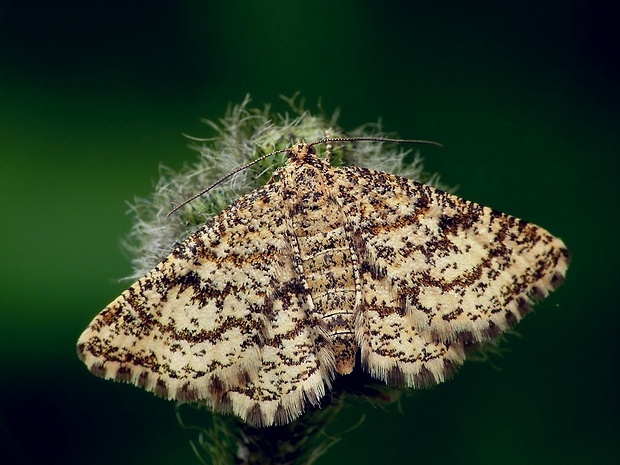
<point>300,151</point>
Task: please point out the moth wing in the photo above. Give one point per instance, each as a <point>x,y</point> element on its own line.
<point>222,320</point>
<point>438,273</point>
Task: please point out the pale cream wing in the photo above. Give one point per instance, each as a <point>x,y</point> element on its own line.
<point>438,273</point>
<point>223,320</point>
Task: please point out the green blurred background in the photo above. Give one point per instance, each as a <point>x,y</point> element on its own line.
<point>95,95</point>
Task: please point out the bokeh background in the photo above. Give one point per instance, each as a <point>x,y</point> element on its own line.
<point>94,96</point>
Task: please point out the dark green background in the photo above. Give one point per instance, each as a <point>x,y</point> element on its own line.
<point>95,95</point>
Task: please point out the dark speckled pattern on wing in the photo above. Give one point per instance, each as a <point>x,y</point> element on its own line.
<point>257,311</point>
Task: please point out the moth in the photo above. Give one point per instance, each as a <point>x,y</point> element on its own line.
<point>258,311</point>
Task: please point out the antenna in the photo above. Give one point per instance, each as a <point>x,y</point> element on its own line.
<point>321,141</point>
<point>221,180</point>
<point>376,139</point>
